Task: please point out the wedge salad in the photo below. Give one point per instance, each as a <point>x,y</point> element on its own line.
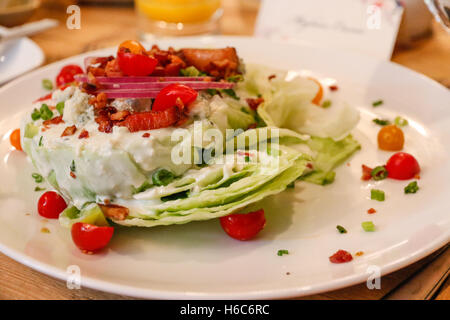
<point>153,137</point>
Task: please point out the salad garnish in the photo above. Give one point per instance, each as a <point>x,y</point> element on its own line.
<point>377,103</point>
<point>412,187</point>
<point>341,229</point>
<point>368,226</point>
<point>282,252</point>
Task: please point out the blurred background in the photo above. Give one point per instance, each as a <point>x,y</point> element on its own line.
<point>422,43</point>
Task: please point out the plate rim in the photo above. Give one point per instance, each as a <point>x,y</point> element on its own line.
<point>292,292</point>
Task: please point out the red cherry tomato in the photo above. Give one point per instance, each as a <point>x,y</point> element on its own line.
<point>168,96</point>
<point>135,65</point>
<point>243,226</point>
<point>67,73</point>
<point>89,237</point>
<point>402,166</point>
<point>51,204</point>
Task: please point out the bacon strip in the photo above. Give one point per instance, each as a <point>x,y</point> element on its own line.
<point>69,131</point>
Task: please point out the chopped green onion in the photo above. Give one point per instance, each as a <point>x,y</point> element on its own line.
<point>35,115</point>
<point>341,229</point>
<point>377,195</point>
<point>235,78</point>
<point>379,173</point>
<point>46,113</point>
<point>412,187</point>
<point>377,103</point>
<point>37,177</point>
<point>162,177</point>
<point>401,122</point>
<point>368,226</point>
<point>60,107</point>
<point>40,141</point>
<point>244,110</point>
<point>381,122</point>
<point>231,93</point>
<point>282,251</point>
<point>146,185</point>
<point>326,104</point>
<point>47,84</point>
<point>191,72</point>
<point>39,189</point>
<point>247,159</point>
<point>72,166</point>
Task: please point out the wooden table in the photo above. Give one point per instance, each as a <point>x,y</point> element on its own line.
<point>107,26</point>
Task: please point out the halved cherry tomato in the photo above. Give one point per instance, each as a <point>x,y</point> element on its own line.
<point>243,226</point>
<point>391,138</point>
<point>14,138</point>
<point>319,93</point>
<point>67,73</point>
<point>89,237</point>
<point>136,65</point>
<point>402,166</point>
<point>51,204</point>
<point>132,46</point>
<point>168,96</point>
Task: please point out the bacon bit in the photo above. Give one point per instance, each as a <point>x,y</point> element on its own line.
<point>120,115</point>
<point>56,120</point>
<point>83,135</point>
<point>309,165</point>
<point>252,126</point>
<point>104,124</point>
<point>100,100</point>
<point>254,103</point>
<point>371,211</point>
<point>417,176</point>
<point>69,131</point>
<point>73,175</point>
<point>366,173</point>
<point>359,253</point>
<point>146,135</point>
<point>272,76</point>
<point>114,211</point>
<point>348,164</point>
<point>220,63</point>
<point>112,69</point>
<point>334,87</point>
<point>106,201</point>
<point>341,256</point>
<point>150,120</point>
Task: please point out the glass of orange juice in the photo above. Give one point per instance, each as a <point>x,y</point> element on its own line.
<point>158,18</point>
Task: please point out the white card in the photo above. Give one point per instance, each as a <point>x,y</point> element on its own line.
<point>366,26</point>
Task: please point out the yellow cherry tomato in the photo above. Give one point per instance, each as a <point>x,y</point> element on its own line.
<point>133,46</point>
<point>14,138</point>
<point>391,138</point>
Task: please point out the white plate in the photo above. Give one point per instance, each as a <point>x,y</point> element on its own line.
<point>198,260</point>
<point>18,56</point>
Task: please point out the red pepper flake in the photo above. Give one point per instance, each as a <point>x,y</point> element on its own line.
<point>359,253</point>
<point>146,135</point>
<point>272,76</point>
<point>254,103</point>
<point>366,173</point>
<point>69,131</point>
<point>73,175</point>
<point>83,135</point>
<point>341,256</point>
<point>334,87</point>
<point>371,211</point>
